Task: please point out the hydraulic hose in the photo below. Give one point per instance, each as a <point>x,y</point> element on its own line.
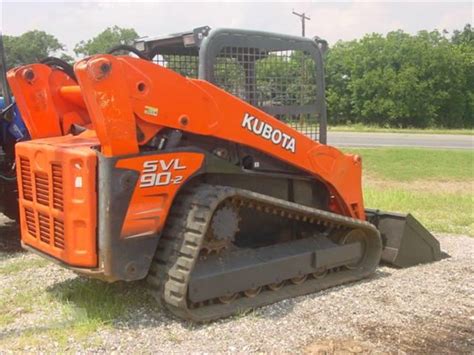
<point>60,64</point>
<point>127,48</point>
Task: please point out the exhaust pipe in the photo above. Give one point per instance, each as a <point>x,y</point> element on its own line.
<point>406,242</point>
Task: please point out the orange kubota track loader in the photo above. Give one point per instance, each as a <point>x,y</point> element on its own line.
<point>207,186</point>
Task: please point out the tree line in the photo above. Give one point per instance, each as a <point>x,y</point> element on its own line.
<point>32,46</point>
<point>403,80</point>
<point>396,80</point>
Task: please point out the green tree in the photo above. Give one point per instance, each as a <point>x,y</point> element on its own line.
<point>30,47</point>
<point>464,37</point>
<point>464,47</point>
<point>401,80</point>
<point>105,40</point>
<point>339,65</point>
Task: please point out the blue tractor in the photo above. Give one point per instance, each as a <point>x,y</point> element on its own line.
<point>12,130</point>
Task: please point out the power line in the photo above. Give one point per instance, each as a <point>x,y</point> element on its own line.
<point>303,18</point>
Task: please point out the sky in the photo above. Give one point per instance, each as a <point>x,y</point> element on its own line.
<point>71,21</point>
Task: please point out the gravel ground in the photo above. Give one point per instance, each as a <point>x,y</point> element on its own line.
<point>423,309</point>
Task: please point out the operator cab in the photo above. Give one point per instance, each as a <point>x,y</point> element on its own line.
<point>280,74</point>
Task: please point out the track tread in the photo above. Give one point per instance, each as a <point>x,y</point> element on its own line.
<point>185,231</point>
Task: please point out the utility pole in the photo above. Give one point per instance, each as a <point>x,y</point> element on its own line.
<point>303,19</point>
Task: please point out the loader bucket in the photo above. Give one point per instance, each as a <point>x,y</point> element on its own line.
<point>406,242</point>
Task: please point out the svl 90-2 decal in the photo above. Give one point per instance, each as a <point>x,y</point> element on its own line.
<point>161,176</point>
<point>161,173</point>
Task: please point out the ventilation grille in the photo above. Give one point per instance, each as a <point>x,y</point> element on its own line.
<point>58,233</point>
<point>30,221</point>
<point>44,199</point>
<point>43,232</point>
<point>27,186</point>
<point>57,175</point>
<point>42,188</point>
<point>44,228</point>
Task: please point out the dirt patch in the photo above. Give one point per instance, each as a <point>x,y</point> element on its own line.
<point>447,335</point>
<point>443,335</point>
<point>338,346</point>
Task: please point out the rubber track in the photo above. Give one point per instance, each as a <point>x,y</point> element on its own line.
<point>180,244</point>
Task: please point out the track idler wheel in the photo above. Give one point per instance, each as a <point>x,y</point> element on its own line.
<point>356,236</point>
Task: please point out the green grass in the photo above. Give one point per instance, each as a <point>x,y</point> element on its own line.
<point>437,211</point>
<point>94,303</point>
<point>365,128</point>
<point>407,164</point>
<point>18,300</point>
<point>87,305</point>
<point>20,265</point>
<point>73,309</point>
<point>436,186</point>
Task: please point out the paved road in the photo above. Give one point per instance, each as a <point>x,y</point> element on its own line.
<point>442,141</point>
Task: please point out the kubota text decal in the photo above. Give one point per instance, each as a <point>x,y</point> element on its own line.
<point>268,132</point>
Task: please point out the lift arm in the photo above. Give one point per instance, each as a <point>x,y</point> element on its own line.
<point>126,96</point>
<point>49,100</point>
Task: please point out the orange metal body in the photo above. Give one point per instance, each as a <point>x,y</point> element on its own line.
<point>149,205</point>
<point>126,101</point>
<point>58,200</point>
